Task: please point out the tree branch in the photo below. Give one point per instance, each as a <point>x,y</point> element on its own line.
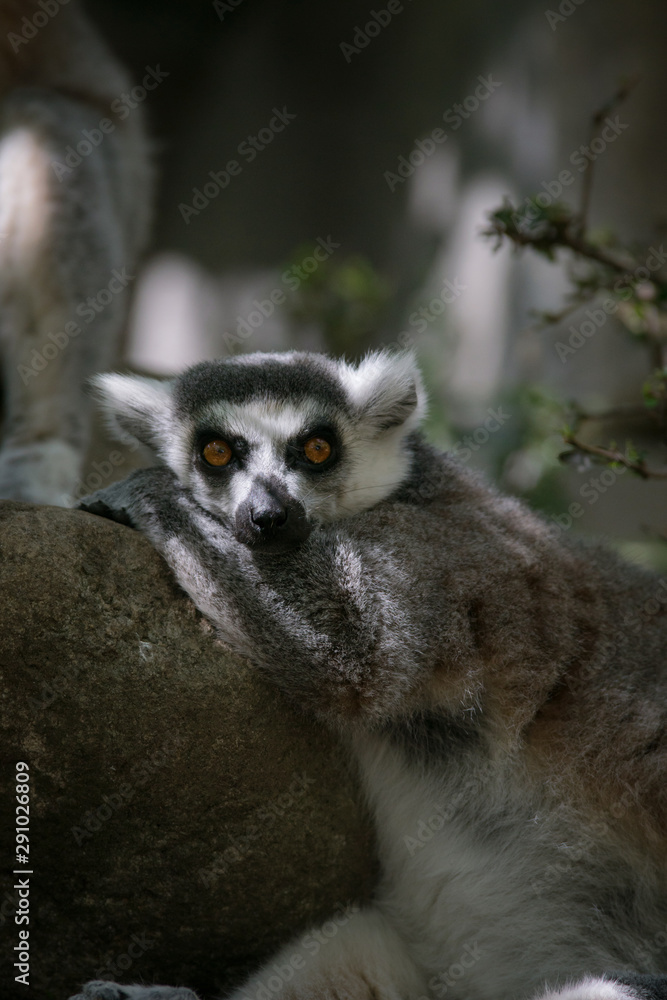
<point>613,455</point>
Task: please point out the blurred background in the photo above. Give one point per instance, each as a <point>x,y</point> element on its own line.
<point>326,172</point>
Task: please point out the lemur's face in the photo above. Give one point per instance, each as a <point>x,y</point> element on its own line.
<point>274,444</point>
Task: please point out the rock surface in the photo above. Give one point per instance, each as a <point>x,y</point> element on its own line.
<point>185,821</point>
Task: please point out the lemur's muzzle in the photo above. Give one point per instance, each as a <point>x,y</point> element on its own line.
<point>271,520</point>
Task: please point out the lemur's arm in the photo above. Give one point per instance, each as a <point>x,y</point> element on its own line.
<point>308,619</point>
<point>328,621</point>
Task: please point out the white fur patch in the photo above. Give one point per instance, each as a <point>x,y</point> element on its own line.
<point>260,420</point>
<point>383,384</point>
<point>138,407</point>
<point>591,989</point>
<point>377,466</point>
<point>261,357</point>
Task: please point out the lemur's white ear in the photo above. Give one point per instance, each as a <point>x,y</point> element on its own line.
<point>135,406</point>
<point>388,389</point>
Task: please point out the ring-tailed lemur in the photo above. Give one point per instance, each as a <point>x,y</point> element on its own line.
<point>75,186</point>
<point>503,690</point>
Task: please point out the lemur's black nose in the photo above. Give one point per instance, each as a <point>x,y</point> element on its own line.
<point>270,519</point>
<point>267,516</point>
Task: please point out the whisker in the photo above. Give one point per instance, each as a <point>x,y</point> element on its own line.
<point>311,491</point>
<point>320,501</point>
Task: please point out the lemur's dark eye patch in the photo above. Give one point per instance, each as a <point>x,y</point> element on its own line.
<point>216,452</point>
<point>317,450</point>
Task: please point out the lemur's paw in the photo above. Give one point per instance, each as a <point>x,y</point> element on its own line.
<point>98,503</point>
<point>99,990</point>
<point>127,500</point>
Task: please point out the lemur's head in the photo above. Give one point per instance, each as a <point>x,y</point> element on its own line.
<point>275,443</point>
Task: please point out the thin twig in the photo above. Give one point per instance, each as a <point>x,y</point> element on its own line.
<point>596,124</point>
<point>613,455</point>
<point>577,245</point>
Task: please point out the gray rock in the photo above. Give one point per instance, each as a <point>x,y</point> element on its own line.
<point>185,821</point>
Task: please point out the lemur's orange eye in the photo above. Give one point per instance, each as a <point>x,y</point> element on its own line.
<point>217,452</point>
<point>317,450</point>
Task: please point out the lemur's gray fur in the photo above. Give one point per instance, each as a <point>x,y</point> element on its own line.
<point>74,212</point>
<point>502,689</point>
